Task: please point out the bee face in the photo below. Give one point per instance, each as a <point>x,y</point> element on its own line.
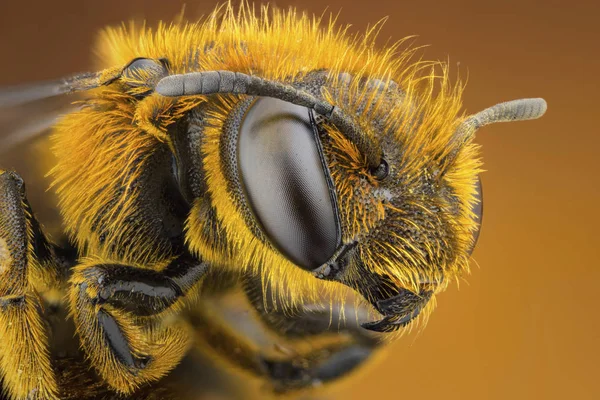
<point>408,224</point>
<point>392,232</point>
<point>379,192</point>
<point>318,165</point>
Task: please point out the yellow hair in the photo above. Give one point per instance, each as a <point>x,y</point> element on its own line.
<point>109,140</point>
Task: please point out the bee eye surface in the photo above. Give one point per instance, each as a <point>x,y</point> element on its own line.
<point>285,181</point>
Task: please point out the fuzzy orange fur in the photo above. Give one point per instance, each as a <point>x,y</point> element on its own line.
<point>105,146</point>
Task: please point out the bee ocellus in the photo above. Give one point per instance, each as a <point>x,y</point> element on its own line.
<point>334,187</point>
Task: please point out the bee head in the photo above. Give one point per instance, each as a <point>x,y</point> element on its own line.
<point>367,178</point>
<point>359,181</point>
<point>312,158</point>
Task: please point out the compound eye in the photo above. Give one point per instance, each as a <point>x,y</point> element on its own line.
<point>478,211</point>
<point>286,183</point>
<point>144,72</point>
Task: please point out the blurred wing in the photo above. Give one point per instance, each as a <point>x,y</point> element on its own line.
<point>29,111</point>
<point>23,94</point>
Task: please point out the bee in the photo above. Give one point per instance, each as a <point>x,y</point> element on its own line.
<point>270,154</point>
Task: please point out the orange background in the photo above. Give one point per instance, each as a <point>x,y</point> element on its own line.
<point>525,324</point>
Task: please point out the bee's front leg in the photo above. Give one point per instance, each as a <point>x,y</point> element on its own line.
<point>24,253</point>
<point>301,347</point>
<point>334,352</point>
<point>348,346</point>
<point>307,320</point>
<point>113,306</point>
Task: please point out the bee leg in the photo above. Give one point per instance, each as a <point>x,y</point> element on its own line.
<point>350,347</point>
<point>306,320</point>
<point>326,362</point>
<point>24,354</point>
<point>52,263</point>
<point>223,342</point>
<point>319,367</point>
<point>116,311</point>
<point>280,356</point>
<point>284,367</point>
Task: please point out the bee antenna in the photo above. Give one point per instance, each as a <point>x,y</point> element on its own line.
<point>515,110</point>
<point>223,82</point>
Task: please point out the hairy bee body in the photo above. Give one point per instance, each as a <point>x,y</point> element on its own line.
<point>269,154</point>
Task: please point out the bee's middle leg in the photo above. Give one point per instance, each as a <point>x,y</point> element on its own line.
<point>334,349</point>
<point>348,347</point>
<point>25,253</point>
<point>119,314</point>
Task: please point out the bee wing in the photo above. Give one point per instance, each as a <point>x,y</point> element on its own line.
<point>28,93</point>
<point>28,111</point>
